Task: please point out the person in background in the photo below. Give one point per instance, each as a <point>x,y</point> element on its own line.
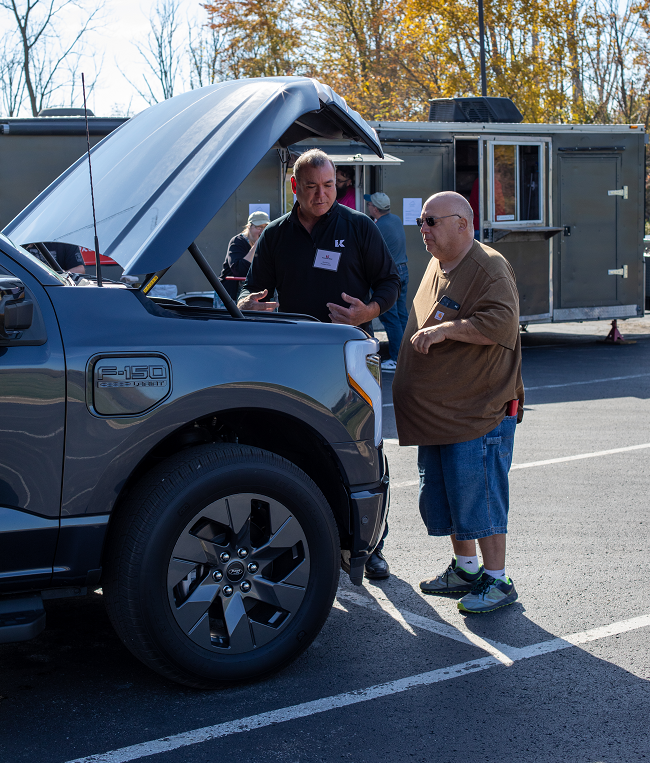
<point>392,230</point>
<point>345,186</point>
<point>67,255</point>
<point>241,250</point>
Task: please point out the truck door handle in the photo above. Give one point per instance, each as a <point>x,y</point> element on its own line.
<point>622,192</point>
<point>618,272</point>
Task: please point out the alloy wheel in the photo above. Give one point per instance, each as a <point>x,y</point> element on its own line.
<point>238,573</point>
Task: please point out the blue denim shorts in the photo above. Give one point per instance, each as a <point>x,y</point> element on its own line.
<point>464,487</point>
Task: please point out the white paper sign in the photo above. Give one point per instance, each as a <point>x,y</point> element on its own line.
<point>412,210</point>
<point>259,208</point>
<point>327,260</point>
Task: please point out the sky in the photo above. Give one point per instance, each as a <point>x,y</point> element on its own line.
<point>123,23</point>
<point>127,22</point>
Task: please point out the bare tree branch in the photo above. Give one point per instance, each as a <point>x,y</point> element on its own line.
<point>160,53</point>
<point>12,81</point>
<point>47,53</point>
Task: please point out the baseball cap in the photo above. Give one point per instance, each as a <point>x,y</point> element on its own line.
<point>380,200</point>
<point>258,218</point>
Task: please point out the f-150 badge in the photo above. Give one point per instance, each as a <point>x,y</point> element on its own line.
<point>125,386</point>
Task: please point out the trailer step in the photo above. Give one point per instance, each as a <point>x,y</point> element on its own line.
<point>21,619</point>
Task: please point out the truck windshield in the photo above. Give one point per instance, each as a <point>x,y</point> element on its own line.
<point>62,277</point>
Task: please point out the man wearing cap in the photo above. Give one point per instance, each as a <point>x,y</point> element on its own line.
<point>324,260</point>
<point>241,250</point>
<point>391,228</point>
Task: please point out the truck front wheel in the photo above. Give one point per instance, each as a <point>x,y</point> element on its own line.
<point>222,565</point>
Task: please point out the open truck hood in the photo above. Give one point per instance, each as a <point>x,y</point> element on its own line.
<point>162,176</point>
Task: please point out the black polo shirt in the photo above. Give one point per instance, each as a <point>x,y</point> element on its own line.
<point>67,255</point>
<point>287,259</point>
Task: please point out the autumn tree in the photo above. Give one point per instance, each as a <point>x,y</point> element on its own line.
<point>258,38</point>
<point>352,45</point>
<point>559,60</point>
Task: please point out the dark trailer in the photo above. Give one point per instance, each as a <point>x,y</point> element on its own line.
<point>563,203</point>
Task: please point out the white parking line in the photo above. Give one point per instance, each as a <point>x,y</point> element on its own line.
<point>588,381</point>
<point>529,464</point>
<point>568,384</point>
<point>337,701</point>
<point>580,456</point>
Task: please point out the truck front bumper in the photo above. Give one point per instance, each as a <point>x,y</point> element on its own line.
<point>369,510</point>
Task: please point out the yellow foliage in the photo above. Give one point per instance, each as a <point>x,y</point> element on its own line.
<point>559,60</point>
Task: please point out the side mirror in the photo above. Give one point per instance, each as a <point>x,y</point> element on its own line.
<point>16,310</point>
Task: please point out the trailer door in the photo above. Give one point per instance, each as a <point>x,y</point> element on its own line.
<point>589,216</point>
<point>427,168</point>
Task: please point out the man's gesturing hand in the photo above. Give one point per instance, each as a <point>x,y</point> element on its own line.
<point>356,314</point>
<point>252,302</point>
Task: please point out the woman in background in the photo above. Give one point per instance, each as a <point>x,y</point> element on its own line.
<point>241,251</point>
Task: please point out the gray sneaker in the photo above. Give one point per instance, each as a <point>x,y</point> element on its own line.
<point>453,580</point>
<point>488,594</point>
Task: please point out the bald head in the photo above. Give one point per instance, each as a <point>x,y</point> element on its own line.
<point>452,235</point>
<point>453,203</point>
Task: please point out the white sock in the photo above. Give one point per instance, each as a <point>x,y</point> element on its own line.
<point>497,574</point>
<point>467,563</point>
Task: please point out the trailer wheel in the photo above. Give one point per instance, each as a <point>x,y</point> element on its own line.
<point>222,565</point>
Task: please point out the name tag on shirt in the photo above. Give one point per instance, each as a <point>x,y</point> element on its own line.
<point>327,260</point>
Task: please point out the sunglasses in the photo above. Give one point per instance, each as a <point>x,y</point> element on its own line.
<point>431,221</point>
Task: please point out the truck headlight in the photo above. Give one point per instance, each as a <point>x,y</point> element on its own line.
<point>363,366</point>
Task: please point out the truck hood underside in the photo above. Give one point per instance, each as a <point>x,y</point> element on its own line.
<point>162,176</point>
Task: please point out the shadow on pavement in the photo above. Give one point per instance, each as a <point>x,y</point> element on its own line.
<point>76,690</point>
<point>573,705</point>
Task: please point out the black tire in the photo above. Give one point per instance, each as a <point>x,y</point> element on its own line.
<point>185,515</point>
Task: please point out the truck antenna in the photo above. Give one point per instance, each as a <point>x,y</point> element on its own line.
<point>92,193</point>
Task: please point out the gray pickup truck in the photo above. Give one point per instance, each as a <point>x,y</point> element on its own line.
<point>210,470</point>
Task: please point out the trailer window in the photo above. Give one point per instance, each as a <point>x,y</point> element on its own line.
<point>515,183</point>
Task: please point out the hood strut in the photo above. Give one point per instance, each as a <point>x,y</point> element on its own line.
<point>216,284</point>
<point>49,259</point>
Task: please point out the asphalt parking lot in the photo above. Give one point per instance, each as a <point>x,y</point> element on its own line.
<point>561,675</point>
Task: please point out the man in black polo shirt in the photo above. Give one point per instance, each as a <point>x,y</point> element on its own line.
<point>323,259</point>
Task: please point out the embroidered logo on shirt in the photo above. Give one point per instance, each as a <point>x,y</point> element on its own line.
<point>439,315</point>
<point>339,243</point>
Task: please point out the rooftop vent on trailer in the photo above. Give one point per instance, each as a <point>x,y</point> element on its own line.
<point>62,111</point>
<point>474,109</point>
